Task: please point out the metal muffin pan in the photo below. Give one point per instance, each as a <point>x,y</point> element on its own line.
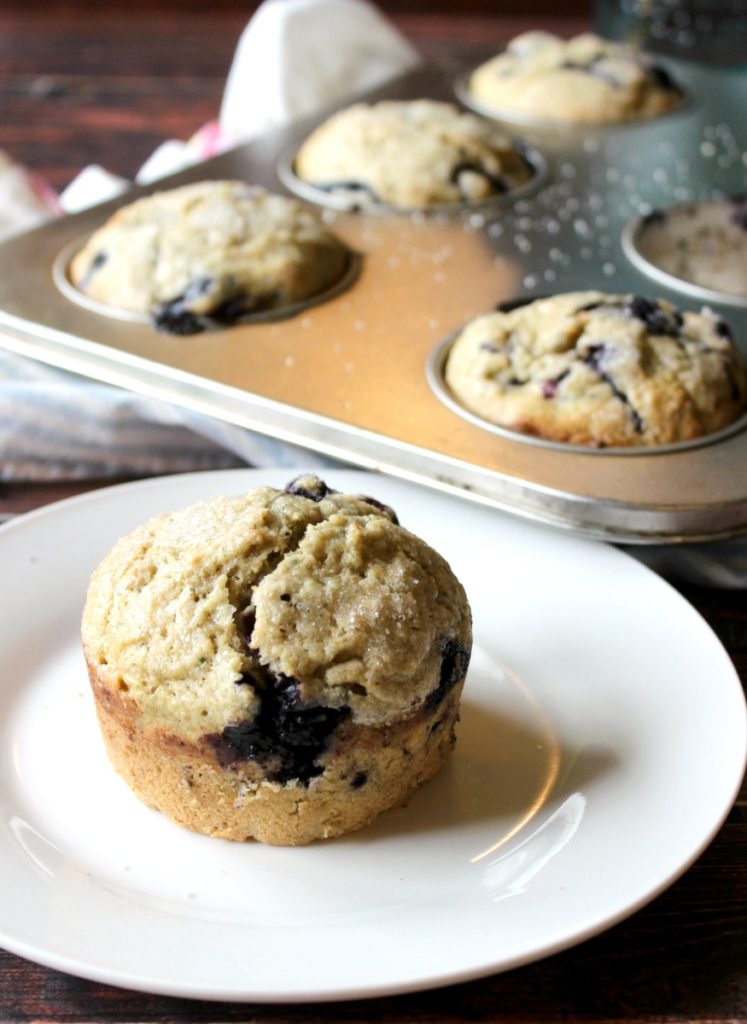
<point>348,376</point>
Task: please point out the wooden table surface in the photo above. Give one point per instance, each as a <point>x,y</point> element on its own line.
<point>94,84</point>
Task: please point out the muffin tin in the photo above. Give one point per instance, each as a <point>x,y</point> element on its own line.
<point>350,376</point>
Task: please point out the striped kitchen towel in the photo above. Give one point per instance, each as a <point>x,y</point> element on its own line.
<point>55,425</point>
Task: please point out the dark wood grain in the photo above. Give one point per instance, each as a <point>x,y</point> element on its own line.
<point>90,83</point>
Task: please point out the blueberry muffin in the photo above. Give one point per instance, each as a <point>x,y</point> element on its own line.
<point>412,155</point>
<point>208,254</point>
<point>703,243</point>
<point>280,666</point>
<point>584,79</point>
<point>593,369</point>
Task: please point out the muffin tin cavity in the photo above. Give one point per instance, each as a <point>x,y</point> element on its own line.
<point>697,247</point>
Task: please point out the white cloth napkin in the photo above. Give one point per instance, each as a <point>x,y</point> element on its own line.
<point>293,58</point>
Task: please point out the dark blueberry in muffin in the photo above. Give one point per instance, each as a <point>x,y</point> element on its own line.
<point>386,509</point>
<point>656,319</point>
<point>96,264</point>
<point>661,77</point>
<point>723,329</point>
<point>286,736</point>
<point>454,663</point>
<point>173,318</point>
<point>307,486</point>
<point>359,780</point>
<point>550,387</point>
<point>739,214</point>
<point>594,355</point>
<point>594,358</point>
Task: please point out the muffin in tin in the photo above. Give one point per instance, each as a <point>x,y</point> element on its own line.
<point>703,243</point>
<point>280,665</point>
<point>583,79</point>
<point>209,254</point>
<point>411,155</point>
<point>589,368</point>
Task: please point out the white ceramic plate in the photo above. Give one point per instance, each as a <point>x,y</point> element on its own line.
<point>601,744</point>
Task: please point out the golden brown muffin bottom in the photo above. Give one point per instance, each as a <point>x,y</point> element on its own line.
<point>368,770</point>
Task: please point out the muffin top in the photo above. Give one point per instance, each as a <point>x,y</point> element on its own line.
<point>595,369</point>
<point>411,154</point>
<point>585,78</point>
<point>208,253</point>
<point>193,613</point>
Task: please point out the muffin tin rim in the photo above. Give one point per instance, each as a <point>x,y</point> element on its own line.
<point>284,166</point>
<point>61,278</point>
<point>435,375</point>
<point>629,241</point>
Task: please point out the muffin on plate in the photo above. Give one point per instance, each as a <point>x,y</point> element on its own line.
<point>594,369</point>
<point>411,154</point>
<point>209,254</point>
<point>280,665</point>
<point>583,79</point>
